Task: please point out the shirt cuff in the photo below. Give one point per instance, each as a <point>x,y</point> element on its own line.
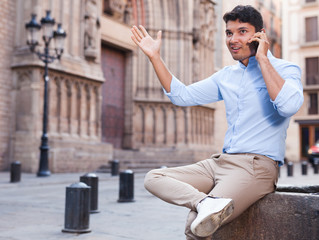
<point>175,85</point>
<point>282,96</point>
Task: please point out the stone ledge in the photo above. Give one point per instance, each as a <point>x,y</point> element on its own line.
<point>291,213</point>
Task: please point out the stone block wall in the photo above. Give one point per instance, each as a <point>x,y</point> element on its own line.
<point>289,215</point>
<point>160,124</point>
<point>7,23</point>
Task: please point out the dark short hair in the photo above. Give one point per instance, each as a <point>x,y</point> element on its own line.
<point>246,14</point>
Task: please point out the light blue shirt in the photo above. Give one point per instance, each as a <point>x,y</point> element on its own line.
<point>256,124</point>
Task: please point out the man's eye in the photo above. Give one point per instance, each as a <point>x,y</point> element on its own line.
<point>228,33</point>
<point>243,31</point>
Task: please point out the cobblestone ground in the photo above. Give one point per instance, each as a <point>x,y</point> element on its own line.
<point>34,209</point>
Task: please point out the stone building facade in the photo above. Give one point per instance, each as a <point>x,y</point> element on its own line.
<point>7,22</point>
<point>154,130</point>
<point>301,45</point>
<point>74,125</point>
<point>105,101</point>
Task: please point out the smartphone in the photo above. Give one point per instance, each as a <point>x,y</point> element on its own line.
<point>253,47</point>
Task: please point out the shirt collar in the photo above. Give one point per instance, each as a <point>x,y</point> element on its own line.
<point>252,60</point>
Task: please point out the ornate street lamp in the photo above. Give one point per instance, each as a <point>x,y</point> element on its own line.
<point>47,57</point>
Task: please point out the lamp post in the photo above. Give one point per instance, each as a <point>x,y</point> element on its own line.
<point>47,56</point>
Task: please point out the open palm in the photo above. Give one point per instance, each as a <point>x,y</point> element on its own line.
<point>147,44</point>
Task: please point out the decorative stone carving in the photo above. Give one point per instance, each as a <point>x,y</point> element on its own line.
<point>207,21</point>
<point>203,38</point>
<point>128,13</point>
<point>117,8</point>
<point>92,25</point>
<point>166,125</point>
<point>24,99</point>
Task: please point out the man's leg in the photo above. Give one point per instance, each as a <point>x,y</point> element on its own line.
<point>249,178</point>
<point>183,186</point>
<point>245,178</point>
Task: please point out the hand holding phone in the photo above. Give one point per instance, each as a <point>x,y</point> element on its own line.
<point>254,42</point>
<point>253,47</point>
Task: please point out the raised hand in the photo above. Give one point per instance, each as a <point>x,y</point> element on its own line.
<point>151,47</point>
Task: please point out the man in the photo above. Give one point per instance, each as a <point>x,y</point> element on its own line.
<point>260,93</point>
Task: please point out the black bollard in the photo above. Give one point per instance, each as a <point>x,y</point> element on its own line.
<point>15,172</point>
<point>316,166</point>
<point>115,167</point>
<point>92,180</point>
<point>304,167</point>
<point>77,208</point>
<point>290,168</point>
<point>126,193</point>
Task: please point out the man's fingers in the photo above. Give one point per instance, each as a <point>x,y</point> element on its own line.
<point>254,39</point>
<point>261,35</point>
<point>257,39</point>
<point>135,40</point>
<point>143,30</point>
<point>159,35</point>
<point>137,34</point>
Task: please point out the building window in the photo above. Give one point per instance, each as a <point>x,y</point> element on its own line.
<point>304,141</point>
<point>313,103</point>
<point>312,71</point>
<point>311,29</point>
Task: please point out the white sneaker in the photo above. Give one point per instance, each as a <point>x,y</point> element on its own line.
<point>212,212</point>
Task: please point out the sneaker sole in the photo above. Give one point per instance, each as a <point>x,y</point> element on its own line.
<point>211,223</point>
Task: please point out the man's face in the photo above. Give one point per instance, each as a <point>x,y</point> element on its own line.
<point>237,36</point>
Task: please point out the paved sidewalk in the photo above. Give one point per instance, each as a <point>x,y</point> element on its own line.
<point>34,209</point>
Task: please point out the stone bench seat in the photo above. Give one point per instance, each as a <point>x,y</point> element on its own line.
<point>290,213</point>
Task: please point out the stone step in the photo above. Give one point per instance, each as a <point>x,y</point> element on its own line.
<point>147,159</point>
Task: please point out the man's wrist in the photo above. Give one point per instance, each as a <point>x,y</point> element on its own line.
<point>262,59</point>
<point>155,58</point>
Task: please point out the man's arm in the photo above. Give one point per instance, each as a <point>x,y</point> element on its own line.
<point>271,77</point>
<point>202,92</point>
<point>285,93</point>
<point>151,49</point>
<point>273,80</point>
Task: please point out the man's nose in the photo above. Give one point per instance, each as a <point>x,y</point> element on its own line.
<point>234,38</point>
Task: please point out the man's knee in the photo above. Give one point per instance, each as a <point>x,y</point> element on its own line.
<point>150,177</point>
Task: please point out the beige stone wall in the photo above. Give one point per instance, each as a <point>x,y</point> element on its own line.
<point>165,125</point>
<point>7,22</point>
<point>193,47</point>
<point>187,49</point>
<point>74,121</point>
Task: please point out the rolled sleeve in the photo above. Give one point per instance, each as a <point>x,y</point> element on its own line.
<point>175,86</point>
<point>201,92</point>
<point>289,99</point>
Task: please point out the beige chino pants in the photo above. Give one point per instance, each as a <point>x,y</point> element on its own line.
<point>245,178</point>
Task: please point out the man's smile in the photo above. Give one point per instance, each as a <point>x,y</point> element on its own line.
<point>235,48</point>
